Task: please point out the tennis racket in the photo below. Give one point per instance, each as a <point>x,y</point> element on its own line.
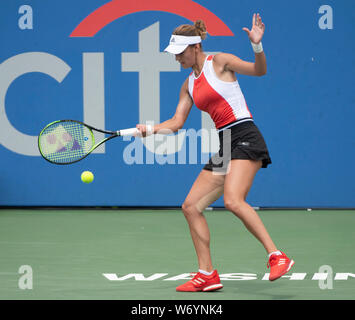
<point>69,141</point>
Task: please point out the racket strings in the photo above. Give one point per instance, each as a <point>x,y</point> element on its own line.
<point>66,142</point>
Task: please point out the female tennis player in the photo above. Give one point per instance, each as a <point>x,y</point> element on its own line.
<point>213,87</point>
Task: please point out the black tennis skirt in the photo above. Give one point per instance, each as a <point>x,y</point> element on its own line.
<point>240,141</point>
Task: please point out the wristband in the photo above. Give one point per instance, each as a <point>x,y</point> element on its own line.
<point>258,48</point>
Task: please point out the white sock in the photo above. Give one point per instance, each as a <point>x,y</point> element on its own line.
<point>205,272</point>
<point>275,252</point>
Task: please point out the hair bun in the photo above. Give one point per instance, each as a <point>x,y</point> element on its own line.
<point>201,29</point>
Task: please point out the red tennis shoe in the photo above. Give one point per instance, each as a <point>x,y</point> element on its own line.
<point>279,265</point>
<point>201,282</point>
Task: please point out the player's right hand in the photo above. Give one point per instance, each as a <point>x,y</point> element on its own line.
<point>145,130</point>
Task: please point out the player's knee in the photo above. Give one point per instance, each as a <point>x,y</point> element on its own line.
<point>234,205</point>
<point>188,209</point>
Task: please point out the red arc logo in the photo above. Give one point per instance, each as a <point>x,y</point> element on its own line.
<point>116,9</point>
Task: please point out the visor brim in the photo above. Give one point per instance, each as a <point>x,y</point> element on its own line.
<point>176,49</point>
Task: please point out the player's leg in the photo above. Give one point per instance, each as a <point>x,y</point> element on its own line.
<point>206,189</point>
<point>238,182</point>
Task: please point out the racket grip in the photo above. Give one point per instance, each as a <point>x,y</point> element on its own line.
<point>128,132</point>
<point>135,132</point>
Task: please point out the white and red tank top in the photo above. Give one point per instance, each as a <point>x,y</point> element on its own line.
<point>224,101</point>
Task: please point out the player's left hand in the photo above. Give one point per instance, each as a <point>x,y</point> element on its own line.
<point>256,33</point>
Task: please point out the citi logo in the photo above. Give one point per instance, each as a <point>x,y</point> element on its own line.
<point>149,62</point>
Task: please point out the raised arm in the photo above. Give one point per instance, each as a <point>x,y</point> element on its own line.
<point>179,118</point>
<point>231,63</point>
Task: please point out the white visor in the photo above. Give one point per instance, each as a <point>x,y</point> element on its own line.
<point>179,43</point>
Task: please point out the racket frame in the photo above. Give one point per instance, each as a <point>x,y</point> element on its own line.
<point>113,134</point>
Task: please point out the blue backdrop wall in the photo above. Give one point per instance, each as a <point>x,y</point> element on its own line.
<point>102,62</point>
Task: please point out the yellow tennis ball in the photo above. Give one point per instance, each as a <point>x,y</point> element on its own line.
<point>87,177</point>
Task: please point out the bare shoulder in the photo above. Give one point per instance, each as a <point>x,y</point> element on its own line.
<point>221,60</point>
<point>224,57</point>
<point>184,91</point>
<point>185,86</point>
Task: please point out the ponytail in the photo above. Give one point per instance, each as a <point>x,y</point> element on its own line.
<point>197,29</point>
<point>201,29</point>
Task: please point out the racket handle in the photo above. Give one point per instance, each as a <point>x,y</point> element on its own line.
<point>128,132</point>
<point>134,131</point>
